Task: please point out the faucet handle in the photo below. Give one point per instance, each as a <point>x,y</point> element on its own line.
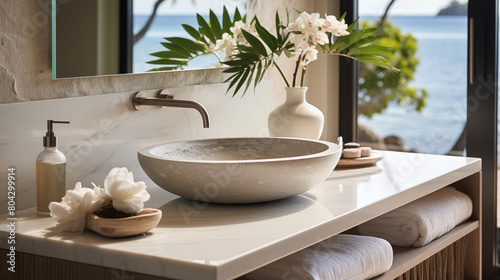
<point>164,93</point>
<point>145,94</point>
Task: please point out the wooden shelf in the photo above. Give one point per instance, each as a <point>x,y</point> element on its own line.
<point>406,258</point>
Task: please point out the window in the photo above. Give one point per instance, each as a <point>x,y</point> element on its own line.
<point>480,101</point>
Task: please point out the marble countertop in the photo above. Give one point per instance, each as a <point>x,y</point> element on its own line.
<point>196,240</point>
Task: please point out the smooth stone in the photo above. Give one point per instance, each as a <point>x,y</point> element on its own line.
<point>351,145</point>
<point>351,153</point>
<point>366,151</point>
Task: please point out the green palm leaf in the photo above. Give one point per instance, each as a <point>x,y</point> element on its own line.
<point>370,50</point>
<point>237,16</point>
<point>186,44</point>
<point>165,61</point>
<point>268,38</point>
<point>176,49</point>
<point>205,28</point>
<point>254,42</point>
<point>215,25</point>
<point>191,31</point>
<point>378,61</point>
<point>169,54</point>
<point>226,21</point>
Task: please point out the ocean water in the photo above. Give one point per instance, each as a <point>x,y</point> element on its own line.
<point>442,71</point>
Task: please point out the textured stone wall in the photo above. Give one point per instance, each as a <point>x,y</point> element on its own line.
<point>25,57</point>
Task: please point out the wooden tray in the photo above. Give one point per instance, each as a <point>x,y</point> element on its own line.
<point>362,161</point>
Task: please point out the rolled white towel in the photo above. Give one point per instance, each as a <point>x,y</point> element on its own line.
<point>340,257</point>
<point>421,221</point>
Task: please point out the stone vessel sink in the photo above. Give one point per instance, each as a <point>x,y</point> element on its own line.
<point>240,170</point>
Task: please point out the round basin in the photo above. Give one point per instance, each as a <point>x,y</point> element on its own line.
<point>240,170</point>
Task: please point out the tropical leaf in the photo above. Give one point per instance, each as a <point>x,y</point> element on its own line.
<point>191,31</point>
<point>226,21</point>
<point>268,38</point>
<point>233,79</point>
<point>242,80</point>
<point>258,76</point>
<point>248,56</point>
<point>351,26</point>
<point>237,16</point>
<point>278,28</point>
<point>169,54</point>
<point>162,69</point>
<point>360,42</point>
<point>370,50</point>
<point>247,49</point>
<point>205,28</point>
<point>254,42</point>
<point>215,25</point>
<point>186,44</point>
<point>238,62</point>
<point>341,43</point>
<point>176,49</point>
<point>343,17</point>
<point>232,70</point>
<point>165,61</point>
<point>378,61</point>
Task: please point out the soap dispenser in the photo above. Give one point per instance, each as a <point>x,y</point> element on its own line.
<point>50,171</point>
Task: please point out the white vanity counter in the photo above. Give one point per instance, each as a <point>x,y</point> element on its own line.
<point>209,241</point>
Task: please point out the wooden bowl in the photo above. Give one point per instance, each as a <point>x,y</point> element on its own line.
<point>145,221</point>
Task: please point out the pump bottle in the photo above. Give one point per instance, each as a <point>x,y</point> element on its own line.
<point>50,172</point>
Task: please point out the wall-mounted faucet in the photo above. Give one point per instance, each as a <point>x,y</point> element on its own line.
<point>139,101</point>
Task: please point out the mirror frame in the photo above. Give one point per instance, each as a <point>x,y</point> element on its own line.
<point>126,35</point>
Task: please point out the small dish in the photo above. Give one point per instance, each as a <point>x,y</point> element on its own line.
<point>145,221</point>
<point>362,161</point>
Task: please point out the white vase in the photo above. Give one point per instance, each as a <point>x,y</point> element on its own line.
<point>296,118</point>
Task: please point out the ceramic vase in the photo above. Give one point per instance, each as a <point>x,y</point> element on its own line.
<point>296,118</point>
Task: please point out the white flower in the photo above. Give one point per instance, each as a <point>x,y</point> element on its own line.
<point>238,34</point>
<point>72,210</point>
<point>236,29</point>
<point>321,38</point>
<point>310,54</point>
<point>307,31</point>
<point>306,23</point>
<point>226,44</point>
<point>210,47</point>
<point>299,25</point>
<point>300,44</point>
<point>120,189</point>
<point>338,28</point>
<point>128,196</point>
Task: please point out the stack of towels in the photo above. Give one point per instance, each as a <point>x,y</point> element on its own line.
<point>342,256</point>
<point>421,221</point>
<point>368,255</point>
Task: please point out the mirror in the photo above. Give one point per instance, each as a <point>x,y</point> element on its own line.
<point>108,37</point>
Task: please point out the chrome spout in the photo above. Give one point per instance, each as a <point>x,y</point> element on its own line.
<point>167,100</point>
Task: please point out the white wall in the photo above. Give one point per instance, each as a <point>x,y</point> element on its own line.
<point>106,132</point>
